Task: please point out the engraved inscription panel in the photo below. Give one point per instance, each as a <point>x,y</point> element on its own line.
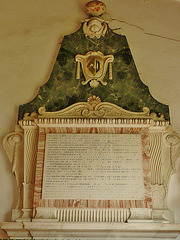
<point>93,166</point>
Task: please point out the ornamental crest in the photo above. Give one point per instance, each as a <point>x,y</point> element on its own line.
<point>94,66</point>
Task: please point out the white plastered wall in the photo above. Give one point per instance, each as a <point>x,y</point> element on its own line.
<point>31,32</point>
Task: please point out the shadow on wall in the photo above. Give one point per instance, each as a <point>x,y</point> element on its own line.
<point>173,197</point>
<point>10,187</point>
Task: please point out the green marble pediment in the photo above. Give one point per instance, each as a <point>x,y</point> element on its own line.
<point>125,89</point>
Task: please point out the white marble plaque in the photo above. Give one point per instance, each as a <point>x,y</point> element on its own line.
<point>93,166</point>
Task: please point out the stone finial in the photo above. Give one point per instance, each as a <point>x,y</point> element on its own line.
<point>95,8</point>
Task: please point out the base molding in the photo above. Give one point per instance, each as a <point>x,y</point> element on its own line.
<point>81,214</point>
<point>140,215</point>
<point>27,215</point>
<point>84,231</point>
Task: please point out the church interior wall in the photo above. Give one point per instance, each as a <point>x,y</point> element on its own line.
<point>31,34</point>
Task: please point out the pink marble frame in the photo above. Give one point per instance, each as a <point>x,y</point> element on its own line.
<point>69,203</point>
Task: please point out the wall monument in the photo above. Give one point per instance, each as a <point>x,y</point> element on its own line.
<point>93,153</point>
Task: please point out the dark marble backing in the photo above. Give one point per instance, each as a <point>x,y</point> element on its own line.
<point>63,89</point>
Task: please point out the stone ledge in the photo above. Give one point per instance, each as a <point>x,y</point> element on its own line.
<point>87,231</point>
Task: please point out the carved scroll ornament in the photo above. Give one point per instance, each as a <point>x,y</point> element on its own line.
<point>172,142</point>
<point>94,28</point>
<point>94,108</point>
<point>13,145</point>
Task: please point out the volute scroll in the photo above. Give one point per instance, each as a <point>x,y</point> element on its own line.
<point>13,144</point>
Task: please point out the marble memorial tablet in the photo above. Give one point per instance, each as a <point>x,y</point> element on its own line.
<point>93,166</point>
